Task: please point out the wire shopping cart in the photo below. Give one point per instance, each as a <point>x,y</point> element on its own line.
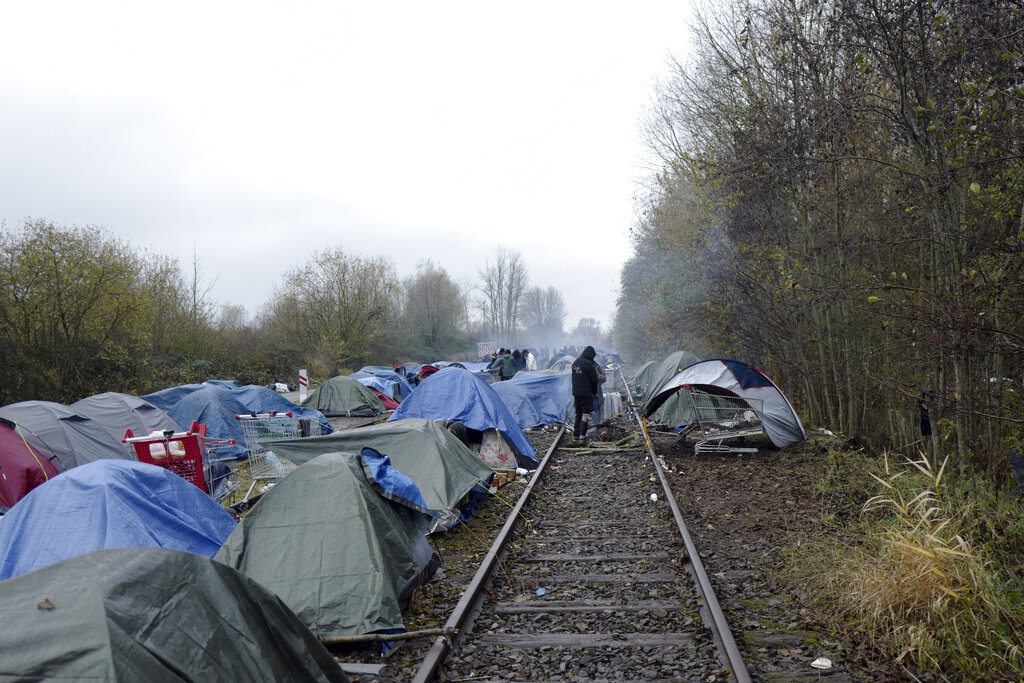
<point>720,422</point>
<point>259,430</point>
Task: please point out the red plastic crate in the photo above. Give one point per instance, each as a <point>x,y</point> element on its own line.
<point>179,452</point>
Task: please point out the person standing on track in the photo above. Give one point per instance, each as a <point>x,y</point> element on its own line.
<point>585,388</point>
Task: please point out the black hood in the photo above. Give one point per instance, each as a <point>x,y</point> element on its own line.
<point>589,353</point>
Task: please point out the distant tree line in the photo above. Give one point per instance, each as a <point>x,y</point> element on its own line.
<point>840,201</point>
<point>82,312</point>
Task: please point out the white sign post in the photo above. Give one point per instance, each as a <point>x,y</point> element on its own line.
<point>303,385</point>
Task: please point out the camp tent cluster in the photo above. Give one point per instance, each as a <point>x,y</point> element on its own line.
<point>144,575</point>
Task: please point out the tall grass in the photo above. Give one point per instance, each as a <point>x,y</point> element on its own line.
<point>920,588</point>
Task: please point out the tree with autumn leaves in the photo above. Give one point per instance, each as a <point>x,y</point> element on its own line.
<point>840,201</point>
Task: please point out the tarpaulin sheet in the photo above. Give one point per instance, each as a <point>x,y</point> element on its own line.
<point>118,412</point>
<point>151,614</point>
<point>444,470</point>
<point>340,554</point>
<point>386,373</point>
<point>456,394</point>
<point>537,399</point>
<point>109,504</point>
<point>67,438</point>
<point>344,396</point>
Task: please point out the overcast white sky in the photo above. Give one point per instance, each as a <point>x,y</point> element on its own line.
<point>254,132</point>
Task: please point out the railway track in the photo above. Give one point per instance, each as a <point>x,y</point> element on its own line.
<point>593,578</point>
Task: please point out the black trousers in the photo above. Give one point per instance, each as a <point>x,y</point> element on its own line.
<point>584,406</point>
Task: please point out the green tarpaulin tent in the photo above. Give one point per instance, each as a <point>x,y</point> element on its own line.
<point>343,396</point>
<point>441,466</point>
<point>327,541</point>
<point>152,614</point>
<point>677,411</point>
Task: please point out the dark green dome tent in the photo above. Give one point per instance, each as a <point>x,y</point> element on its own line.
<point>441,466</point>
<point>343,396</point>
<point>152,614</point>
<point>341,540</point>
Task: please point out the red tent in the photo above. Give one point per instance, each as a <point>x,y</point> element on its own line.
<point>22,468</point>
<point>389,403</point>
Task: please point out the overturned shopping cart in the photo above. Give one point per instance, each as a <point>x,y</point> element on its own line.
<point>721,420</point>
<point>259,431</point>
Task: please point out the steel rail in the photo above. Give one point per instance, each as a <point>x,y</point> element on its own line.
<point>721,624</point>
<point>442,645</point>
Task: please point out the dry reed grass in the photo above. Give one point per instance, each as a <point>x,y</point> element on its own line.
<point>920,589</point>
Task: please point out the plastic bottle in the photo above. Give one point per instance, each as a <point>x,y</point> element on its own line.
<point>276,463</point>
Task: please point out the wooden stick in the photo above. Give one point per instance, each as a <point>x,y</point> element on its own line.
<point>387,637</point>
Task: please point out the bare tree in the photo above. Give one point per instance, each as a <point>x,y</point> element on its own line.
<point>543,315</point>
<point>504,284</point>
<point>588,331</point>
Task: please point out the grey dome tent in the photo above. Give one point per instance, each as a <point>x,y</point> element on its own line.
<point>781,423</point>
<point>338,542</point>
<point>343,396</point>
<point>442,467</point>
<point>117,412</point>
<point>152,614</point>
<point>63,435</point>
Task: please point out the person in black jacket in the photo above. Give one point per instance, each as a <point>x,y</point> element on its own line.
<point>585,388</point>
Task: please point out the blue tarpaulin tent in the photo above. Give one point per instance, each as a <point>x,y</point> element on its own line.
<point>259,399</point>
<point>215,404</point>
<point>109,504</point>
<point>538,398</point>
<point>457,394</point>
<point>389,374</point>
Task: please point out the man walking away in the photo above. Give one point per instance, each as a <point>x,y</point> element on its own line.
<point>508,365</point>
<point>585,388</point>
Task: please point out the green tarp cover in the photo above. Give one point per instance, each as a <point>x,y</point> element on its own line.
<point>345,397</point>
<point>338,553</point>
<point>440,465</point>
<point>152,614</point>
<point>642,378</point>
<point>677,410</point>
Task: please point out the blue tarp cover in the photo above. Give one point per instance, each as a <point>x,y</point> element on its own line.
<point>382,384</point>
<point>457,394</point>
<point>263,400</point>
<point>388,374</point>
<point>215,404</point>
<point>109,504</point>
<point>537,399</point>
<point>390,482</point>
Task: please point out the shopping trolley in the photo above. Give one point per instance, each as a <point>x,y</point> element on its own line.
<point>179,452</point>
<point>721,418</point>
<point>260,430</point>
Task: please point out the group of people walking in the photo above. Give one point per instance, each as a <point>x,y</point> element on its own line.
<point>506,363</point>
<point>587,378</point>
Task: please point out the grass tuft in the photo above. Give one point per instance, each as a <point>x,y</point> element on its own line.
<point>920,588</point>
